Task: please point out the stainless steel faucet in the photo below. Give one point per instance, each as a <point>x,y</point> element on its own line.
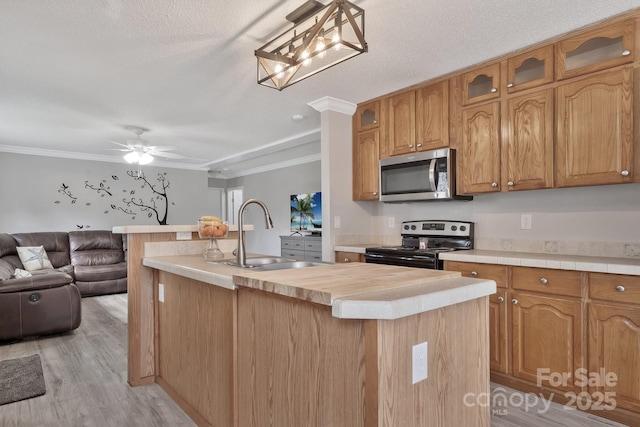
<point>241,256</point>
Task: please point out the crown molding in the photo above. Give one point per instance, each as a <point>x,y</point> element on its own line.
<point>272,166</point>
<point>91,157</point>
<point>333,104</point>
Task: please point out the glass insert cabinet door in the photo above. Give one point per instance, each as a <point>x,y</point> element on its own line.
<point>481,84</point>
<point>368,116</point>
<point>596,50</point>
<point>530,69</point>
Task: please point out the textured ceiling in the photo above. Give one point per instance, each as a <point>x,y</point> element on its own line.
<point>75,73</point>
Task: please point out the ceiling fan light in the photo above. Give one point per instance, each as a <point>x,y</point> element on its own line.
<point>132,157</point>
<point>145,159</point>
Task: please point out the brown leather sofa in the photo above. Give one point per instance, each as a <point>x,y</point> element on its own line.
<point>85,263</point>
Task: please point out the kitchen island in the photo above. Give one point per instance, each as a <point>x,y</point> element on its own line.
<point>328,345</point>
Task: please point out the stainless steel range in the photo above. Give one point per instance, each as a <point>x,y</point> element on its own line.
<point>422,241</point>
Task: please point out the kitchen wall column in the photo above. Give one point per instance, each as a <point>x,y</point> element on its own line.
<point>336,164</point>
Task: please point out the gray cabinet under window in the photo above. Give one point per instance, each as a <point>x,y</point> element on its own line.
<point>301,247</point>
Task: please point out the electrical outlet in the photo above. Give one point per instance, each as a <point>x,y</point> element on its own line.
<point>183,235</point>
<point>160,292</point>
<point>336,222</point>
<point>392,221</point>
<point>525,222</point>
<point>419,364</point>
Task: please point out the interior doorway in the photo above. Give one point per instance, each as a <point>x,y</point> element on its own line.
<point>216,202</point>
<point>234,200</point>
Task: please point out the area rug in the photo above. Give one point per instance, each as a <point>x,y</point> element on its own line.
<point>21,379</point>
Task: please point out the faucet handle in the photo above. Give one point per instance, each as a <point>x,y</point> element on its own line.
<point>235,252</point>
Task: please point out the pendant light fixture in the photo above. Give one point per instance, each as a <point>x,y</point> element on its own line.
<point>321,37</point>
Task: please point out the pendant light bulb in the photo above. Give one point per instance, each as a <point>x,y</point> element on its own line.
<point>336,39</point>
<point>278,70</point>
<point>305,56</point>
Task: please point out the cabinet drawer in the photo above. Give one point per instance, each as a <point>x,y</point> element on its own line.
<point>549,281</point>
<point>293,244</point>
<point>313,245</point>
<point>313,256</point>
<point>497,273</point>
<point>614,287</point>
<point>292,253</point>
<point>349,257</point>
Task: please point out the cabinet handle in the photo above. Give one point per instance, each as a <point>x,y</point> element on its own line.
<point>514,301</point>
<point>626,52</point>
<point>544,281</point>
<point>410,145</point>
<point>375,122</point>
<point>624,173</point>
<point>509,84</point>
<point>494,90</point>
<point>419,145</point>
<point>500,299</point>
<point>510,183</point>
<point>494,184</point>
<point>474,273</point>
<point>375,193</point>
<point>346,260</point>
<point>620,288</point>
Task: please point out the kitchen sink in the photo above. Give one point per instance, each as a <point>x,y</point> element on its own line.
<point>260,262</point>
<point>289,265</point>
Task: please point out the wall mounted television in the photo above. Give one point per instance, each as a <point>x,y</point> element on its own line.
<point>306,214</point>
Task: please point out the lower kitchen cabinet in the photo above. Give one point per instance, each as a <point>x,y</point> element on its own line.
<point>342,256</point>
<point>547,333</point>
<point>614,337</point>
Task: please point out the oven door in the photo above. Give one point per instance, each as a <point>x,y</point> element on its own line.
<point>415,261</point>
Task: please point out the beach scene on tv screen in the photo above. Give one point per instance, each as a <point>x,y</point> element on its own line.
<point>306,212</point>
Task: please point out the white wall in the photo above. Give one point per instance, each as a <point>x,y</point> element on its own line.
<point>274,188</point>
<point>33,198</point>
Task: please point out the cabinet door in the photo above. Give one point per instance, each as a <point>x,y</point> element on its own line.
<point>432,116</point>
<point>596,50</point>
<point>480,165</point>
<point>402,123</point>
<point>365,166</point>
<point>530,69</point>
<point>529,143</point>
<point>547,334</point>
<point>342,257</point>
<point>498,346</point>
<point>614,347</point>
<point>367,116</point>
<point>481,84</point>
<point>595,130</point>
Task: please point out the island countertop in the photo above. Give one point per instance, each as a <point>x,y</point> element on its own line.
<point>354,291</point>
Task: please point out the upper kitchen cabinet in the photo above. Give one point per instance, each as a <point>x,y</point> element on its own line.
<point>479,166</point>
<point>529,141</point>
<point>596,50</point>
<point>365,165</point>
<point>530,69</point>
<point>418,120</point>
<point>401,122</point>
<point>367,116</point>
<point>481,84</point>
<point>594,143</point>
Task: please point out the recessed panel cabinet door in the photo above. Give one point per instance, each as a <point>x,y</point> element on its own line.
<point>547,334</point>
<point>595,130</point>
<point>402,123</point>
<point>365,165</point>
<point>530,142</point>
<point>480,165</point>
<point>614,346</point>
<point>432,116</point>
<point>498,350</point>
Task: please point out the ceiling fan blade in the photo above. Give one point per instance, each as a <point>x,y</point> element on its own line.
<point>120,144</point>
<point>161,148</point>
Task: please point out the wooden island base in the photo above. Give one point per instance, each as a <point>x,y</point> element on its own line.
<point>248,357</point>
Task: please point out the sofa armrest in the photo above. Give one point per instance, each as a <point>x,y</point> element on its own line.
<point>42,281</point>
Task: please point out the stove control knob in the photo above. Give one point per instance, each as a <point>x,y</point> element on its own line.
<point>413,227</point>
<point>463,228</point>
<point>406,227</point>
<point>454,228</point>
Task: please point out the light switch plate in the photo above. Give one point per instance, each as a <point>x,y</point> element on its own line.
<point>392,221</point>
<point>419,362</point>
<point>525,222</point>
<point>160,292</point>
<point>336,222</point>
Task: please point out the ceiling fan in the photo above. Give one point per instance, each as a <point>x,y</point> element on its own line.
<point>139,151</point>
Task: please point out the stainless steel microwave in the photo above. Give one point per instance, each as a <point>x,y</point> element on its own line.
<point>424,176</point>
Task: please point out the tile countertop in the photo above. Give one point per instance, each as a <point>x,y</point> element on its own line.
<point>359,249</point>
<point>629,266</point>
<point>354,291</point>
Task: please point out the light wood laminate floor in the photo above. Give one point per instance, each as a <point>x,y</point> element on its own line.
<point>86,378</point>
